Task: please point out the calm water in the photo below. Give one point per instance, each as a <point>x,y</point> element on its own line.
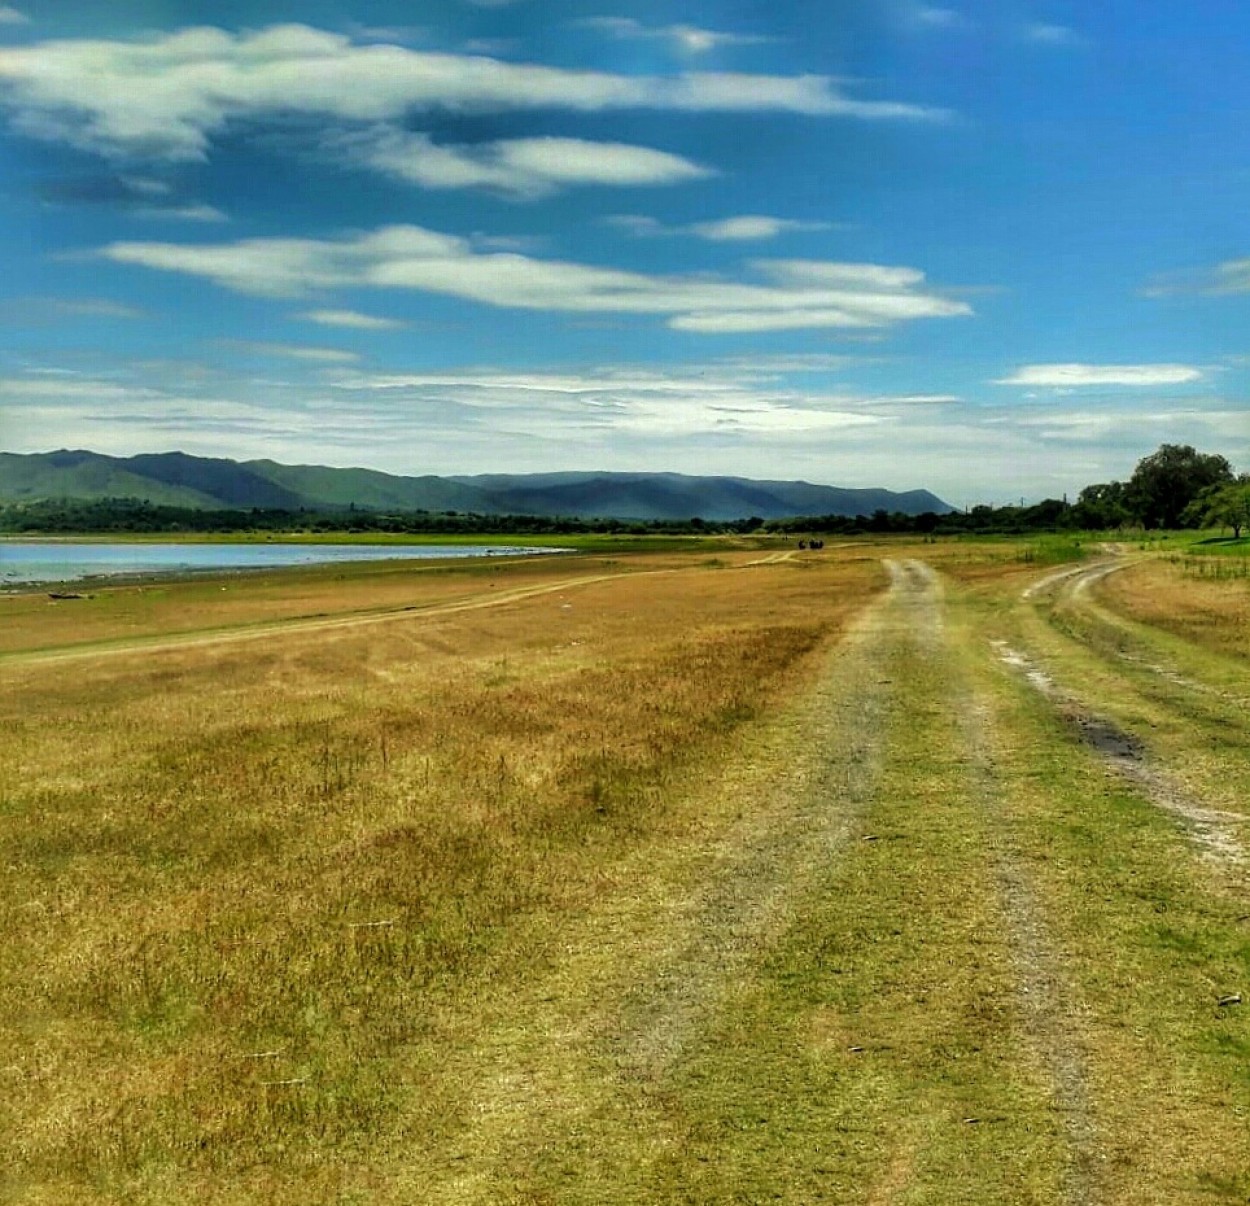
<point>66,561</point>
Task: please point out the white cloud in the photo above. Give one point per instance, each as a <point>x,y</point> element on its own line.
<point>627,401</point>
<point>748,227</point>
<point>497,48</point>
<point>921,400</point>
<point>796,293</point>
<point>462,411</point>
<point>574,161</point>
<point>687,38</point>
<point>523,166</point>
<point>741,228</point>
<point>389,33</point>
<point>741,322</point>
<point>58,388</point>
<point>181,213</point>
<point>11,16</point>
<point>170,94</point>
<point>827,273</point>
<point>706,417</point>
<point>1216,425</point>
<point>1061,376</point>
<point>351,319</point>
<point>145,186</point>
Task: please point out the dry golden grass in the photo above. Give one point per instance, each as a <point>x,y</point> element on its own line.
<point>543,883</point>
<point>240,877</point>
<point>1210,611</point>
<point>158,609</point>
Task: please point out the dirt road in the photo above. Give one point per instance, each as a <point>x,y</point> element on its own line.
<point>633,1015</point>
<point>867,982</point>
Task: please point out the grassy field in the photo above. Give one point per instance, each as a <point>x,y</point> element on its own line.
<point>896,872</point>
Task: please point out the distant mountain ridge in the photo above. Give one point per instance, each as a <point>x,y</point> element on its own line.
<point>179,479</point>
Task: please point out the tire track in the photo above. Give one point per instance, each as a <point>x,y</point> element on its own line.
<point>1043,999</point>
<point>760,873</point>
<point>683,936</point>
<point>1146,657</point>
<point>774,558</point>
<point>1217,833</point>
<point>271,628</point>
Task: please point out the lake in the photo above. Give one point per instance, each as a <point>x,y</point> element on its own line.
<point>24,562</point>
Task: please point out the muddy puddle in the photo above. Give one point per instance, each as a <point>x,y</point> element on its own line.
<point>1106,739</point>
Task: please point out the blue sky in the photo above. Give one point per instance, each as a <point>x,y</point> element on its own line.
<point>995,250</point>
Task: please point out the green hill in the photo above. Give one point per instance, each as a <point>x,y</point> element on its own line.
<point>178,479</point>
<point>88,475</point>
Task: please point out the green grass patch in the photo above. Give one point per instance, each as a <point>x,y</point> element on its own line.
<point>1151,942</point>
<point>875,1054</point>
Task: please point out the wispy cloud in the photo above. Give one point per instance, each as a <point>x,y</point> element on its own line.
<point>641,226</point>
<point>181,213</point>
<point>689,39</point>
<point>772,365</point>
<point>136,196</point>
<point>527,167</point>
<point>1043,34</point>
<point>790,294</point>
<point>633,401</point>
<point>494,47</point>
<point>1060,376</point>
<point>170,94</point>
<point>727,416</point>
<point>12,16</point>
<point>1216,421</point>
<point>351,319</point>
<point>388,33</point>
<point>44,311</point>
<point>1231,276</point>
<point>94,307</point>
<point>742,228</point>
<point>932,17</point>
<point>918,400</point>
<point>293,351</point>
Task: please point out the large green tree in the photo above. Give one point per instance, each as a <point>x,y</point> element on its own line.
<point>1167,481</point>
<point>1226,506</point>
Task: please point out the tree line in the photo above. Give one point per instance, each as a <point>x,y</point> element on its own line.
<point>139,517</point>
<point>1175,487</point>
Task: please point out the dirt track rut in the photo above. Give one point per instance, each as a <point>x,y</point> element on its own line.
<point>696,928</point>
<point>1222,837</point>
<point>693,926</point>
<point>1043,999</point>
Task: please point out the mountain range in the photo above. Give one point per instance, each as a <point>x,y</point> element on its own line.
<point>178,479</point>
